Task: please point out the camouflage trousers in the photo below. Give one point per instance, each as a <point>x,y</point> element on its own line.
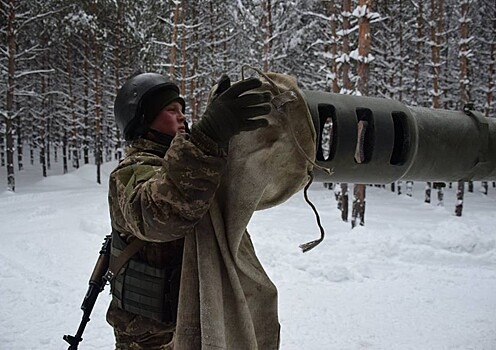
<point>134,332</point>
<point>146,341</point>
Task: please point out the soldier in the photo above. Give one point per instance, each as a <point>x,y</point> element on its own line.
<point>161,190</point>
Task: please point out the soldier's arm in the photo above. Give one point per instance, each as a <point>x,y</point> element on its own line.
<point>170,203</point>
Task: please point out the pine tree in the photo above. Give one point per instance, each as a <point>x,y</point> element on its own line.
<point>465,55</point>
<point>10,113</point>
<point>363,58</point>
<point>418,86</point>
<point>346,85</point>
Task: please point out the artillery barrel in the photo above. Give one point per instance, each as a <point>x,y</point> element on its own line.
<point>378,140</point>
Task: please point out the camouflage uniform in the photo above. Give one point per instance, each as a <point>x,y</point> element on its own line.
<point>160,200</point>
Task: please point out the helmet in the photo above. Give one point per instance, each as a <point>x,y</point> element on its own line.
<point>128,111</point>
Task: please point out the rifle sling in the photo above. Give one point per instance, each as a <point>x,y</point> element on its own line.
<point>117,263</point>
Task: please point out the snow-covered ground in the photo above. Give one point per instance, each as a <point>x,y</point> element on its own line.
<point>415,277</point>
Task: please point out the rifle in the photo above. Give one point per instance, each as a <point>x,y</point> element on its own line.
<point>96,285</point>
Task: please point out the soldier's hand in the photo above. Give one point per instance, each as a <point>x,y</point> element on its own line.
<point>233,109</point>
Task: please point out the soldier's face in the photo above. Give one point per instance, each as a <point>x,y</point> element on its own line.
<point>170,120</point>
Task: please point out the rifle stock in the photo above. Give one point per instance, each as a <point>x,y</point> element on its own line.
<point>96,285</point>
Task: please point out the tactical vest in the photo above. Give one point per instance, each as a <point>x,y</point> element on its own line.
<point>143,289</point>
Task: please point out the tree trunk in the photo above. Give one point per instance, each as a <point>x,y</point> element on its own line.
<point>193,82</point>
<point>118,50</point>
<point>428,190</point>
<point>409,188</point>
<point>419,54</point>
<point>436,27</point>
<point>491,71</point>
<point>364,39</point>
<point>74,122</point>
<point>459,198</point>
<point>267,28</point>
<point>20,163</point>
<point>358,212</point>
<point>43,128</point>
<point>55,154</point>
<point>435,52</point>
<point>470,187</point>
<point>344,202</point>
<point>402,54</point>
<point>333,48</point>
<point>346,89</point>
<point>464,82</point>
<point>10,113</point>
<point>484,186</point>
<point>184,58</point>
<point>48,133</point>
<point>440,197</point>
<point>345,67</point>
<point>64,152</point>
<point>2,147</point>
<point>97,92</point>
<point>172,67</point>
<point>86,74</point>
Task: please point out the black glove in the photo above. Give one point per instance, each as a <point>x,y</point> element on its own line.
<point>228,113</point>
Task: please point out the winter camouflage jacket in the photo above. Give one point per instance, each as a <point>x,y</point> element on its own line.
<point>159,195</point>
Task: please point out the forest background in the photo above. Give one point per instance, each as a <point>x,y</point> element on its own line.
<point>62,61</point>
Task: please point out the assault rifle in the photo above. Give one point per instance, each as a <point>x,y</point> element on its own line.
<point>96,285</point>
<point>379,141</point>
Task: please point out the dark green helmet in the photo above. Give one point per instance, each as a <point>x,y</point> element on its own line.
<point>128,109</point>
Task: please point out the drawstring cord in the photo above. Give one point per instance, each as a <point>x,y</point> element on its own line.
<point>279,101</point>
<point>305,247</point>
<point>271,82</point>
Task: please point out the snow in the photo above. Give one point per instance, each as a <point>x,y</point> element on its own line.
<point>415,277</point>
<point>360,11</point>
<point>357,57</point>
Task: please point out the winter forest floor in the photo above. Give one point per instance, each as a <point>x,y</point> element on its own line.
<point>414,277</point>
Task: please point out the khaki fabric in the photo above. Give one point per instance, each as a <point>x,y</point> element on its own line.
<point>227,301</point>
